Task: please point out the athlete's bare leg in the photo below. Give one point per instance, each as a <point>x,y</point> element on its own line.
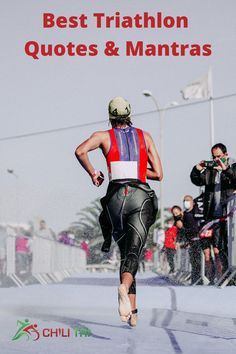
<point>123,298</point>
<point>132,299</point>
<point>127,279</point>
<point>133,317</point>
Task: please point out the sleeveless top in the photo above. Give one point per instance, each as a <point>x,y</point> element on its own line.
<point>127,157</point>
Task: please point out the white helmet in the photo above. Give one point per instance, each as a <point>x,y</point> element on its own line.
<point>119,108</point>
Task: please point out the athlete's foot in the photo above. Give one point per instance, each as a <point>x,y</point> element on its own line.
<point>124,303</point>
<point>133,318</point>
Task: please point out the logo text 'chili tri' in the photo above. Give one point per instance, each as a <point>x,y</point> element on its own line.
<point>33,332</point>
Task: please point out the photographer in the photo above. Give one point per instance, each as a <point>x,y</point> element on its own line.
<point>219,178</point>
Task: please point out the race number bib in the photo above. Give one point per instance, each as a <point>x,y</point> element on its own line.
<point>206,234</point>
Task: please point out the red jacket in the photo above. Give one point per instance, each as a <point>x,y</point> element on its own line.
<point>170,237</point>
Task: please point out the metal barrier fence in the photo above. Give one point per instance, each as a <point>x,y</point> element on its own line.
<point>43,260</point>
<point>231,210</point>
<point>231,230</point>
<point>50,261</point>
<point>183,267</point>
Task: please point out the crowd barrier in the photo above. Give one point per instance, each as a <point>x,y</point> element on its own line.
<point>51,261</point>
<point>46,261</point>
<point>182,274</point>
<point>231,226</point>
<point>182,265</point>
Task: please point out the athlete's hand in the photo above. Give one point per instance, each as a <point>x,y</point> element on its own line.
<point>97,178</point>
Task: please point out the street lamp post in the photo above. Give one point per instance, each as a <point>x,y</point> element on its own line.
<point>161,113</point>
<point>12,172</point>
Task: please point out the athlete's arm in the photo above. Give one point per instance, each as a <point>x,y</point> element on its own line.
<point>155,171</point>
<point>81,153</point>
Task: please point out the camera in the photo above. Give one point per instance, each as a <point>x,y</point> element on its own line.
<point>213,163</point>
<point>210,164</point>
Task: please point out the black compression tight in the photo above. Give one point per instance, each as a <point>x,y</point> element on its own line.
<point>131,213</point>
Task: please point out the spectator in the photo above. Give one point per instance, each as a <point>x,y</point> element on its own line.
<point>85,247</point>
<point>170,246</point>
<point>63,237</point>
<point>44,231</point>
<point>22,254</point>
<point>191,225</point>
<point>148,254</point>
<point>177,213</point>
<point>171,235</point>
<point>71,239</point>
<point>219,178</point>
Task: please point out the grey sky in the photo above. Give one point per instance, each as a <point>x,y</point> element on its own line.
<point>59,91</point>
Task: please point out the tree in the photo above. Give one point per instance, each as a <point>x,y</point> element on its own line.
<point>88,228</point>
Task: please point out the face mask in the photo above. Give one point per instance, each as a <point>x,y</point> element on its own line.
<point>187,204</point>
<point>178,217</point>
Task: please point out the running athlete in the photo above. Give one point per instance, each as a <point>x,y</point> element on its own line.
<point>130,204</point>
